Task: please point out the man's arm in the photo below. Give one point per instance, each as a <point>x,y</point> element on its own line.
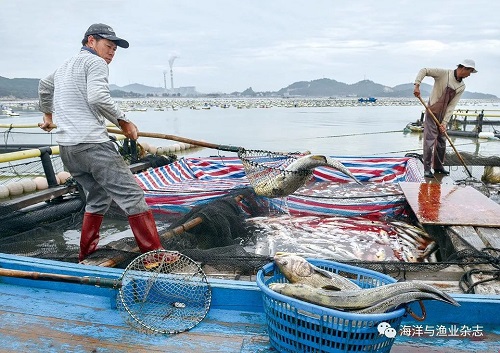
<point>46,94</point>
<point>46,101</point>
<point>423,73</point>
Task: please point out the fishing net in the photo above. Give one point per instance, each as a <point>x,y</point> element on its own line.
<point>229,232</point>
<point>228,243</point>
<point>164,292</point>
<point>266,172</point>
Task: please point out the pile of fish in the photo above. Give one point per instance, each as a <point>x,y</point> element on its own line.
<point>342,238</point>
<point>325,288</point>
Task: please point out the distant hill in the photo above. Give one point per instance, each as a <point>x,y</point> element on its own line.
<point>27,88</point>
<point>366,88</point>
<point>23,88</point>
<point>138,88</point>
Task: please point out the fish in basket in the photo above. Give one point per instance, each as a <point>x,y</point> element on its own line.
<point>315,305</point>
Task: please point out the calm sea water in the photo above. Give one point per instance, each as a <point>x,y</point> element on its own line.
<point>343,130</point>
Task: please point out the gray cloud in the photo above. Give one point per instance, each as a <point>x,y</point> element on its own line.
<point>225,45</point>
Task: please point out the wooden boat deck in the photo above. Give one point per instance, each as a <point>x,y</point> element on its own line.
<point>38,316</point>
<point>448,205</point>
<point>470,220</point>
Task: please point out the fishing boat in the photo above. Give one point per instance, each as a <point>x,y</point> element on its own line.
<point>367,100</point>
<point>58,316</point>
<point>414,127</point>
<point>9,111</point>
<point>237,320</point>
<point>481,120</point>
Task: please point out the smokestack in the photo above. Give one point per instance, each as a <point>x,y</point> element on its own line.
<point>171,79</point>
<point>171,64</point>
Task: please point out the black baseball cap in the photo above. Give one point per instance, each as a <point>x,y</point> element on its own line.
<point>106,32</point>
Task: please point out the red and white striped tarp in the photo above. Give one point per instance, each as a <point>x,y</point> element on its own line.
<point>188,182</point>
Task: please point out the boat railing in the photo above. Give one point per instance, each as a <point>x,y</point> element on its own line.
<point>461,118</point>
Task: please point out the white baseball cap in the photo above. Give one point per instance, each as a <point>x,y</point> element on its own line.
<point>469,63</point>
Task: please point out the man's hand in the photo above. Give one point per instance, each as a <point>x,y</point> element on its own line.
<point>47,124</point>
<point>416,91</point>
<point>442,128</point>
<point>129,129</point>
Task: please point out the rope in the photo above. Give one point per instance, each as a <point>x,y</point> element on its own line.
<point>356,134</point>
<point>467,284</point>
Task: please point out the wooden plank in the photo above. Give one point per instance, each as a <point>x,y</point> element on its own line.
<point>37,197</point>
<point>23,201</point>
<point>37,320</point>
<point>444,204</point>
<point>469,236</point>
<point>489,236</point>
<point>465,238</point>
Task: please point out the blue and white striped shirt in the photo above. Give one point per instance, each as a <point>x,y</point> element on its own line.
<point>77,94</point>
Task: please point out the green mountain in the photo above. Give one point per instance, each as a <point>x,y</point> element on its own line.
<point>27,88</point>
<point>23,88</point>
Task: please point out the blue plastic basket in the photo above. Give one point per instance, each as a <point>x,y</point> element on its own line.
<point>295,326</point>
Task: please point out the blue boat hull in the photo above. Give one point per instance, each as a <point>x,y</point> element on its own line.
<point>40,316</point>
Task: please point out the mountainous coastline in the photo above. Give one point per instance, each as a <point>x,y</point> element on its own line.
<point>27,88</point>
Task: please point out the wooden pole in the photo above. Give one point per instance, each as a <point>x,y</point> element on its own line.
<point>446,135</point>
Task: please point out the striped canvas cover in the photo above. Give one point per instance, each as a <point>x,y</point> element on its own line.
<point>177,187</point>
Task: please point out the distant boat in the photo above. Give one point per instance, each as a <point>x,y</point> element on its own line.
<point>8,111</point>
<point>367,100</point>
<point>414,127</point>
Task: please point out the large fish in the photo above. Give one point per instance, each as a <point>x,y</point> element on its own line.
<point>398,300</point>
<point>296,269</point>
<point>377,299</point>
<point>296,175</point>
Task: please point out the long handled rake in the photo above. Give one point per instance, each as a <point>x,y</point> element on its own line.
<point>162,291</point>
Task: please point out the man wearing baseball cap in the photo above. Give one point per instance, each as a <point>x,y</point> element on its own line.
<point>77,97</point>
<point>106,32</point>
<point>446,92</point>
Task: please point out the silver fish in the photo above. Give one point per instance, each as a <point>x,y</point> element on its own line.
<point>296,269</point>
<point>358,299</point>
<point>296,175</point>
<point>397,300</point>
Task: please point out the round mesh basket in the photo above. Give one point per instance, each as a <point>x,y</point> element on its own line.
<point>295,326</point>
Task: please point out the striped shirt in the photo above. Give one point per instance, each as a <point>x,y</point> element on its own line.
<point>77,94</point>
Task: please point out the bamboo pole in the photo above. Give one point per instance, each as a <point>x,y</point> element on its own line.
<point>446,135</point>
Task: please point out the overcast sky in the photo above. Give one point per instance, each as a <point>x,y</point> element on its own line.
<point>230,45</point>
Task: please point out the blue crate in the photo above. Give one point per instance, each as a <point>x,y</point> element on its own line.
<point>295,326</point>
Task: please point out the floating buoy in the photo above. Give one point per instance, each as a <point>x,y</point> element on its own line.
<point>15,188</point>
<point>63,177</point>
<point>41,183</point>
<point>491,174</point>
<point>4,192</point>
<point>160,150</point>
<point>28,185</point>
<point>153,149</point>
<point>486,135</point>
<point>176,147</point>
<point>145,146</point>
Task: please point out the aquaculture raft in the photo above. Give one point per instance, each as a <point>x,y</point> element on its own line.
<point>295,326</point>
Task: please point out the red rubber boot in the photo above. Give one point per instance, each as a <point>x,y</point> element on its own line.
<point>90,234</point>
<point>143,226</point>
